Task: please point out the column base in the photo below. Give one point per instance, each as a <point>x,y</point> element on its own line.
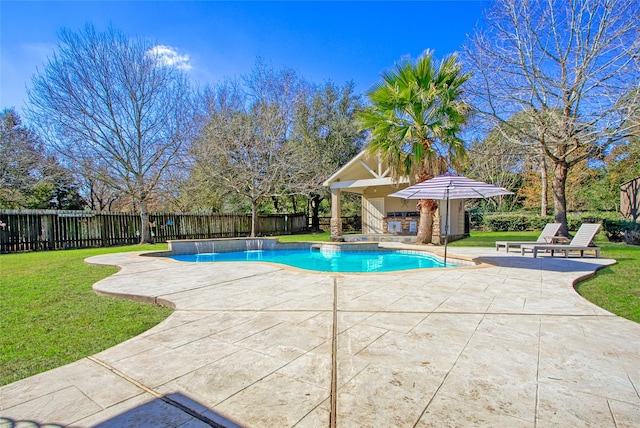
<point>336,229</point>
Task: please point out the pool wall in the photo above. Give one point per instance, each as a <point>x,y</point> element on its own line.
<point>226,245</point>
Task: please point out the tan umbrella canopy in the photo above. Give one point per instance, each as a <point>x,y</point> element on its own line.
<point>450,186</point>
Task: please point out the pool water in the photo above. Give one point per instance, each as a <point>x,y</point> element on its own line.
<point>326,261</point>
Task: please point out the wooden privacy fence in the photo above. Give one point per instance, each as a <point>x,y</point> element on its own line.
<point>31,230</point>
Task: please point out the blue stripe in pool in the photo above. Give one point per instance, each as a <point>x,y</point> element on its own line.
<point>327,261</point>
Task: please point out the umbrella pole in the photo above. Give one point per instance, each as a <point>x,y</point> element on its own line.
<point>446,230</point>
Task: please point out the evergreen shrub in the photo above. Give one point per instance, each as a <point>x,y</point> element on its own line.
<point>632,237</point>
<point>622,230</point>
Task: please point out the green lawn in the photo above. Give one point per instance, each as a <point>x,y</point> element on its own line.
<point>616,288</point>
<point>50,316</point>
<point>317,236</point>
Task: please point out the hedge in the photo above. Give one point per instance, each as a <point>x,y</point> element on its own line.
<point>515,222</point>
<point>509,222</point>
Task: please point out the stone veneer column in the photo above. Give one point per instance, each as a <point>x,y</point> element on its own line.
<point>436,237</point>
<point>336,221</point>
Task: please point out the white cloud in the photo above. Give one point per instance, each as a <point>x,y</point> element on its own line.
<point>168,55</point>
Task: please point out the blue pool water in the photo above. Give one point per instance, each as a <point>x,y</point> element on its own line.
<point>326,261</point>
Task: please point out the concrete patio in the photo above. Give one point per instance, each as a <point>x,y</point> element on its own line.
<point>256,345</point>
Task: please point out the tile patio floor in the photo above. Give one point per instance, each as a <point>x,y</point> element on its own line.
<point>510,344</point>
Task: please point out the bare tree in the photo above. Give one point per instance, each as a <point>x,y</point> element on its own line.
<point>100,196</point>
<point>506,154</point>
<point>570,65</point>
<point>115,109</point>
<point>496,161</point>
<point>244,145</point>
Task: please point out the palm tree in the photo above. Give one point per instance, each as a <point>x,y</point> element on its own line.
<point>414,118</point>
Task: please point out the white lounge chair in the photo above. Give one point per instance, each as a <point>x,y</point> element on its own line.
<point>580,242</point>
<point>546,237</point>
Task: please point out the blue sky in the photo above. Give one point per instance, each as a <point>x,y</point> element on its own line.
<point>331,40</point>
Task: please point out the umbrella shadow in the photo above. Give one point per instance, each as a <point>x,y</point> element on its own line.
<point>548,263</point>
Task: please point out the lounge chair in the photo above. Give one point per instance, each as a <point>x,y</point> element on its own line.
<point>580,242</point>
<point>546,237</point>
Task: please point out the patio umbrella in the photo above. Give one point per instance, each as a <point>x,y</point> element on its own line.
<point>450,186</point>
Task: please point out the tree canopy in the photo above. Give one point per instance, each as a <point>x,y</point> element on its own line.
<point>29,176</point>
<point>244,146</point>
<point>325,137</point>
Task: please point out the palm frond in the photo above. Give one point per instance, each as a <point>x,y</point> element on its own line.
<point>416,115</point>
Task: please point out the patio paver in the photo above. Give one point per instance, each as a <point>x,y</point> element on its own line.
<point>507,344</point>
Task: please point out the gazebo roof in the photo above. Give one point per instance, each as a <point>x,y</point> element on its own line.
<point>362,171</point>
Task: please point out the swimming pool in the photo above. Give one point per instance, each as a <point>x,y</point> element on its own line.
<point>326,260</point>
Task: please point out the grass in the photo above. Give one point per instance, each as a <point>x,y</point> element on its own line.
<point>315,236</point>
<point>616,288</point>
<point>50,316</point>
